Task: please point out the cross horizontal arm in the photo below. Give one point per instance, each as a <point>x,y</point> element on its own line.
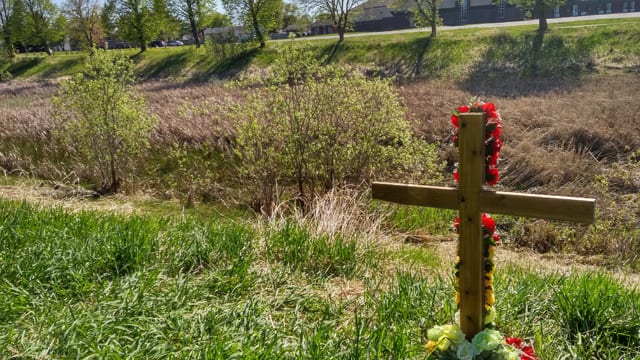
<point>420,195</point>
<point>561,208</point>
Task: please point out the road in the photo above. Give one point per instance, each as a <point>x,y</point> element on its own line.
<point>487,25</point>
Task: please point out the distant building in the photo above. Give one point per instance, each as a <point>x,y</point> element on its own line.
<point>377,15</point>
<point>460,12</point>
<point>380,15</point>
<point>321,27</point>
<point>226,33</point>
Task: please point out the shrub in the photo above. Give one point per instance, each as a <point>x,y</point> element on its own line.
<point>315,127</point>
<point>104,124</point>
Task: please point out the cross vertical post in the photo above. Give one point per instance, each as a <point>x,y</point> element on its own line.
<point>471,243</point>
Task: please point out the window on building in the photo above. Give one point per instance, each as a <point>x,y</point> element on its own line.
<point>625,6</point>
<point>633,6</point>
<point>608,8</point>
<point>576,9</point>
<point>556,11</point>
<point>464,9</point>
<point>501,5</point>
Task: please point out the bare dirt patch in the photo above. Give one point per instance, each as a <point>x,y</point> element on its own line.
<point>544,264</point>
<point>54,196</point>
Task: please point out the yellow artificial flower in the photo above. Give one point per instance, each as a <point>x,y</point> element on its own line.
<point>431,346</point>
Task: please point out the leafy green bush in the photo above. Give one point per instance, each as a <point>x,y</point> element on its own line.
<point>104,124</point>
<point>315,127</point>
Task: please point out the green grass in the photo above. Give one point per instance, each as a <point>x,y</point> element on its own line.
<point>567,49</point>
<point>99,285</point>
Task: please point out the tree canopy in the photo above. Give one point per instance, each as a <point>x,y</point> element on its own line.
<point>261,16</point>
<point>194,13</point>
<point>138,21</point>
<point>339,12</point>
<point>43,23</point>
<point>83,16</point>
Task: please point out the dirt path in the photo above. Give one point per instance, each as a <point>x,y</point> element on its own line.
<point>543,264</point>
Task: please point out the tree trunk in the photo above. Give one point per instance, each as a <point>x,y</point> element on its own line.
<point>256,28</point>
<point>542,17</point>
<point>194,31</point>
<point>9,45</point>
<point>434,19</point>
<point>340,35</point>
<point>115,182</point>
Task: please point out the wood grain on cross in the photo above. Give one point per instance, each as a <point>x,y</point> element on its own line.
<point>470,199</point>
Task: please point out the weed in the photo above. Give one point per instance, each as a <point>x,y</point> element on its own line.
<point>595,308</point>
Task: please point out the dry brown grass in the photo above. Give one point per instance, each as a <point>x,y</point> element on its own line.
<point>573,138</point>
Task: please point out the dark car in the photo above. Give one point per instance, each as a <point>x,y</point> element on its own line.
<point>157,43</point>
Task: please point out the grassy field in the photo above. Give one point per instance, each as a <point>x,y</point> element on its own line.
<point>189,271</point>
<point>93,284</point>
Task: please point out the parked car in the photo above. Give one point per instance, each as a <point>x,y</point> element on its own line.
<point>175,43</point>
<point>157,43</point>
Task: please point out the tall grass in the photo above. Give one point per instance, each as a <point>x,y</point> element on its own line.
<point>112,286</point>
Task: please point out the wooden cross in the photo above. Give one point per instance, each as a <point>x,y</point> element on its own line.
<point>470,199</point>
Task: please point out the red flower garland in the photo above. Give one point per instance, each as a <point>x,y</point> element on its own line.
<point>492,141</point>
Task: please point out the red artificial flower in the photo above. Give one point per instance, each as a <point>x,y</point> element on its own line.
<point>459,110</point>
<point>491,174</point>
<point>456,224</point>
<point>517,342</point>
<point>456,176</point>
<point>528,353</point>
<point>488,223</point>
<point>490,110</point>
<point>496,239</point>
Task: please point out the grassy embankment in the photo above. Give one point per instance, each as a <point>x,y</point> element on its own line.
<point>137,286</point>
<point>151,286</point>
<point>567,49</point>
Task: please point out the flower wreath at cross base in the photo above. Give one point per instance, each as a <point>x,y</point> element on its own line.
<point>448,340</point>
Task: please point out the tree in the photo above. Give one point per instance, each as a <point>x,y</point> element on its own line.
<point>164,24</point>
<point>338,10</point>
<point>214,19</point>
<point>428,12</point>
<point>44,24</point>
<point>293,16</point>
<point>109,17</point>
<point>537,8</point>
<point>262,16</point>
<point>7,17</point>
<point>138,21</point>
<point>85,26</point>
<point>103,121</point>
<point>194,13</point>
